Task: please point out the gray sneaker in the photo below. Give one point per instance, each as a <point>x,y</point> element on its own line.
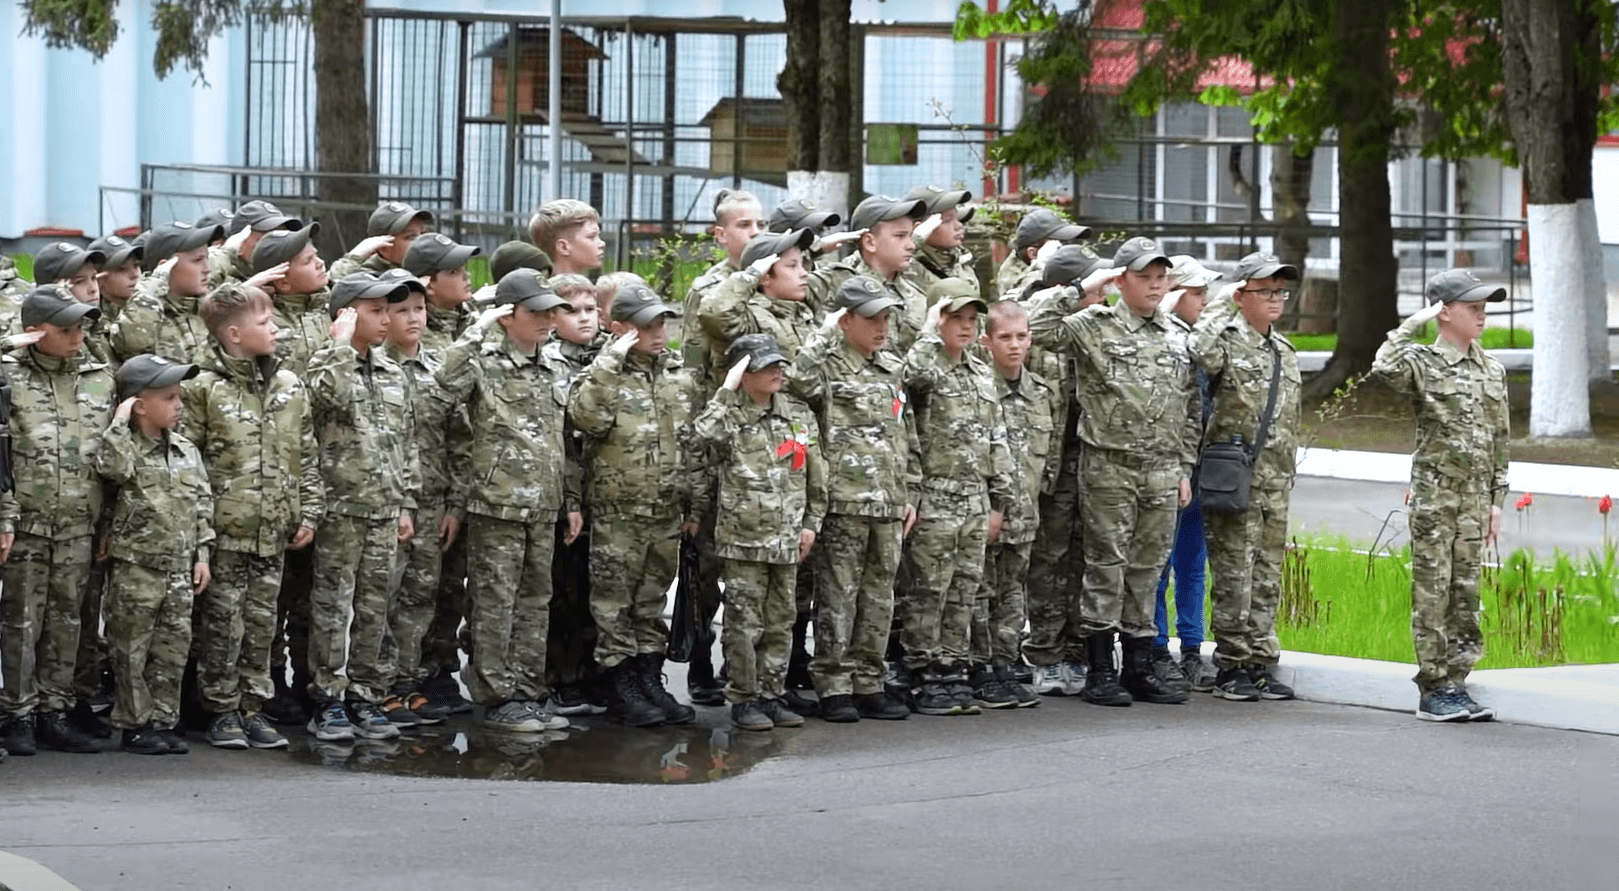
<point>1442,704</point>
<point>1196,671</point>
<point>369,721</point>
<point>513,716</point>
<point>1475,711</point>
<point>226,732</point>
<point>1169,671</point>
<point>261,734</point>
<point>549,719</point>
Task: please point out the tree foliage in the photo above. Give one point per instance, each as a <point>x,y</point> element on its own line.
<point>182,27</point>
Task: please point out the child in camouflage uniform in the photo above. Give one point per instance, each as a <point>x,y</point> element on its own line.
<point>162,536</point>
<point>161,318</point>
<point>772,496</point>
<point>389,232</point>
<point>287,266</point>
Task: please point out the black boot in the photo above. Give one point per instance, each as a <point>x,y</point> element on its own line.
<point>633,706</point>
<point>1141,681</point>
<point>84,719</point>
<point>442,690</point>
<point>700,681</point>
<point>283,707</point>
<point>18,736</point>
<point>674,711</point>
<point>1101,678</point>
<point>54,732</point>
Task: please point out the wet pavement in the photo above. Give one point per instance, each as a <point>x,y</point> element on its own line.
<point>594,749</point>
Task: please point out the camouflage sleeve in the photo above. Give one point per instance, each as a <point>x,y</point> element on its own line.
<point>723,313</point>
<point>1503,435</point>
<point>1003,487</point>
<point>204,498</point>
<point>460,374</point>
<point>458,445</point>
<point>193,419</point>
<point>806,380</point>
<point>1204,341</point>
<point>413,462</point>
<point>913,460</point>
<point>815,489</point>
<point>311,488</point>
<point>694,455</point>
<point>1394,362</point>
<point>712,426</point>
<point>115,460</point>
<point>333,383</point>
<point>1192,431</point>
<point>1055,320</point>
<point>348,264</point>
<point>922,367</point>
<point>136,330</point>
<point>592,405</point>
<point>573,475</point>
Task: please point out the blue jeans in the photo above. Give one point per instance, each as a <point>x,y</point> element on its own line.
<point>1188,560</point>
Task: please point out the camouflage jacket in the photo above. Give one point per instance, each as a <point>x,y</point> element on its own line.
<point>520,467</point>
<point>438,453</point>
<point>873,461</point>
<point>1136,389</point>
<point>59,408</point>
<point>1238,361</point>
<point>252,422</point>
<point>1031,409</point>
<point>1058,371</point>
<point>303,328</point>
<point>1014,276</point>
<point>930,265</point>
<point>365,420</point>
<point>1463,417</point>
<point>966,466</point>
<point>695,343</point>
<point>902,326</point>
<point>163,324</point>
<point>635,412</point>
<point>164,515</point>
<point>348,264</point>
<point>226,265</point>
<point>737,307</point>
<point>772,479</point>
<point>444,327</point>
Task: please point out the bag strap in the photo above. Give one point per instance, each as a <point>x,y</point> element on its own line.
<point>1269,414</point>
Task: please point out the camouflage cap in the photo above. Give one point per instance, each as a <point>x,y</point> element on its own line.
<point>956,294</point>
<point>882,208</point>
<point>766,243</point>
<point>639,305</point>
<point>60,259</point>
<point>940,200</point>
<point>517,255</point>
<point>282,245</point>
<point>1069,265</point>
<point>1461,286</point>
<point>365,286</point>
<point>1041,225</point>
<point>800,213</point>
<point>1138,253</point>
<point>148,372</point>
<point>1261,264</point>
<point>761,351</point>
<point>264,216</point>
<point>391,218</point>
<point>118,250</point>
<point>55,305</point>
<point>168,239</point>
<point>865,295</point>
<point>1186,272</point>
<point>437,252</point>
<point>526,287</point>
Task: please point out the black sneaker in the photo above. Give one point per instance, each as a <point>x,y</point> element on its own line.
<point>779,714</point>
<point>954,680</point>
<point>801,702</point>
<point>176,739</point>
<point>881,707</point>
<point>989,691</point>
<point>1025,697</point>
<point>839,709</point>
<point>933,698</point>
<point>1235,685</point>
<point>749,716</point>
<point>1264,680</point>
<point>1169,671</point>
<point>1198,677</point>
<point>53,731</point>
<point>1475,711</point>
<point>442,689</point>
<point>570,700</point>
<point>1442,704</point>
<point>144,740</point>
<point>18,736</point>
<point>397,713</point>
<point>260,733</point>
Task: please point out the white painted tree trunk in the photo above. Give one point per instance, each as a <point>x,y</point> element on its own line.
<point>1599,363</point>
<point>829,190</point>
<point>1559,401</point>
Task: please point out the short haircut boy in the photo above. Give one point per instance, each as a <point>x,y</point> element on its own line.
<point>559,219</point>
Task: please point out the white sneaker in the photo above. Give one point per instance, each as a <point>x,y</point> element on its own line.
<point>549,719</point>
<point>1048,680</point>
<point>1073,678</point>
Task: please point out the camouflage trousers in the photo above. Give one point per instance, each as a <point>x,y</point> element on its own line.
<point>857,558</point>
<point>1245,560</point>
<point>414,606</point>
<point>570,653</point>
<point>149,630</point>
<point>633,560</point>
<point>1129,513</point>
<point>946,554</point>
<point>235,622</point>
<point>758,632</point>
<point>442,649</point>
<point>1056,573</point>
<point>93,656</point>
<point>1447,542</point>
<point>998,614</point>
<point>509,608</point>
<point>39,622</point>
<point>357,571</point>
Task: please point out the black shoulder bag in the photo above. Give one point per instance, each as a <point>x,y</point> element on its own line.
<point>1226,469</point>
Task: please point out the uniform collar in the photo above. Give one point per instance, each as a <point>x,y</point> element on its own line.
<point>1453,356</point>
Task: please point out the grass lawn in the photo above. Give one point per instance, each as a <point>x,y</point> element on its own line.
<point>1336,600</point>
<point>1491,339</point>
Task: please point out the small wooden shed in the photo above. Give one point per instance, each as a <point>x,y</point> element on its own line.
<point>533,70</point>
<point>747,136</point>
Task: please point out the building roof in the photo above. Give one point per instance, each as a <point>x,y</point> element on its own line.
<point>535,40</point>
<point>759,112</point>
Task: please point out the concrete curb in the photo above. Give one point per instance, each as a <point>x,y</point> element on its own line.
<point>1522,476</point>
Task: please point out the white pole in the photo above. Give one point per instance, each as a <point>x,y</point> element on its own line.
<point>553,106</point>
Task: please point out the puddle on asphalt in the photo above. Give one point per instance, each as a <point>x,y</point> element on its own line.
<point>591,750</point>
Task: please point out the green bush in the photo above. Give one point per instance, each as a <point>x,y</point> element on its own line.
<point>1491,339</point>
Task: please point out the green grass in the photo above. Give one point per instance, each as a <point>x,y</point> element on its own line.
<point>1491,339</point>
<point>25,265</point>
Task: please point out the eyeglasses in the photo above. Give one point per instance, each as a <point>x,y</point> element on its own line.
<point>1272,295</point>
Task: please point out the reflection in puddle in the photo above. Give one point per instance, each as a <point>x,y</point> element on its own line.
<point>592,750</point>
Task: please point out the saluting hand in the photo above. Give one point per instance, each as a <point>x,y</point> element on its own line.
<point>763,264</point>
<point>831,242</point>
<point>1047,248</point>
<point>342,327</point>
<point>234,242</point>
<point>1171,300</point>
<point>930,325</point>
<point>371,245</point>
<point>832,319</point>
<point>626,342</point>
<point>733,378</point>
<point>121,413</point>
<point>928,226</point>
<point>1425,315</point>
<point>263,280</point>
<point>1100,277</point>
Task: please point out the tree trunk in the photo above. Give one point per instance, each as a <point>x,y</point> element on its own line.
<point>1290,187</point>
<point>342,120</point>
<point>1362,86</point>
<point>799,84</point>
<point>1582,135</point>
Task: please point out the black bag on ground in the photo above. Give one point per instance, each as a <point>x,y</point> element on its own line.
<point>683,623</point>
<point>1225,470</point>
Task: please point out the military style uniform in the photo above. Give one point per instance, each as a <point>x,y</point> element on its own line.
<point>772,486</point>
<point>736,307</point>
<point>874,471</point>
<point>517,481</point>
<point>59,408</point>
<point>162,525</point>
<point>645,477</point>
<point>302,324</point>
<point>365,420</point>
<point>162,323</point>
<point>903,324</point>
<point>1245,549</point>
<point>226,265</point>
<point>931,265</point>
<point>1458,472</point>
<point>251,421</point>
<point>1014,276</point>
<point>694,341</point>
<point>967,473</point>
<point>348,264</point>
<point>441,650</point>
